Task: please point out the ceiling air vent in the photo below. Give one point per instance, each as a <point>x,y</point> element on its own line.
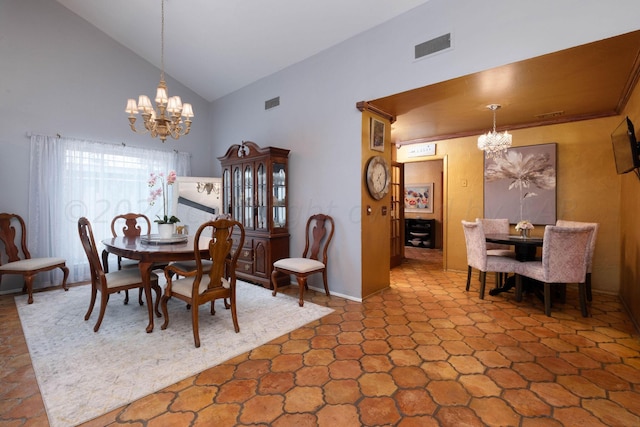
<point>272,103</point>
<point>550,115</point>
<point>432,46</point>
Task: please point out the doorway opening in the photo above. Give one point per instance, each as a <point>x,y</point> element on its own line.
<point>424,211</point>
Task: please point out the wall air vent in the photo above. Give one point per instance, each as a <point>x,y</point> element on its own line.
<point>432,46</point>
<point>272,103</point>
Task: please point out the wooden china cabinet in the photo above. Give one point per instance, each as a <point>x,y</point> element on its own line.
<point>255,193</point>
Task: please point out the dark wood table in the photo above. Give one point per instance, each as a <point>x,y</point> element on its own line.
<point>525,247</point>
<point>148,254</point>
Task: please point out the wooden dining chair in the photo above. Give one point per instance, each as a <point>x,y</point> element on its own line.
<point>478,258</point>
<point>129,225</point>
<point>105,283</point>
<point>19,261</point>
<point>565,256</point>
<point>318,235</point>
<point>592,247</point>
<point>197,287</point>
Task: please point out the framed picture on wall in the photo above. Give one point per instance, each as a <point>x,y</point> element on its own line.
<point>418,198</point>
<point>522,185</point>
<point>376,133</point>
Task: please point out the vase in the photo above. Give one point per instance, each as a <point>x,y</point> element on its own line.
<point>165,231</point>
<point>524,233</point>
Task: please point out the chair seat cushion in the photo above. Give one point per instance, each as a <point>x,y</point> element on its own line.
<point>298,265</point>
<point>183,286</point>
<point>127,277</point>
<point>191,265</point>
<point>31,264</point>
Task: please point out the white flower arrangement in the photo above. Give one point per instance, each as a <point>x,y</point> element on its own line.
<point>524,225</point>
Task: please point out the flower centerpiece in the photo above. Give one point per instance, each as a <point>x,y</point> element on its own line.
<point>166,223</point>
<point>524,227</point>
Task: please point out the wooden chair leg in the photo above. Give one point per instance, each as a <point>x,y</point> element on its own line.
<point>326,286</point>
<point>274,282</point>
<point>547,299</point>
<point>234,315</point>
<point>28,283</point>
<point>65,273</point>
<point>582,290</point>
<point>468,277</point>
<point>302,284</point>
<point>483,281</point>
<point>588,287</point>
<point>104,299</point>
<point>92,303</point>
<point>194,321</point>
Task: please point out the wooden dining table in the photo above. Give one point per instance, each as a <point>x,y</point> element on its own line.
<point>150,251</point>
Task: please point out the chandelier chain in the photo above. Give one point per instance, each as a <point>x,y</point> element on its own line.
<point>162,43</point>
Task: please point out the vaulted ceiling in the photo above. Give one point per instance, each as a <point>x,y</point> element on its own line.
<point>216,47</point>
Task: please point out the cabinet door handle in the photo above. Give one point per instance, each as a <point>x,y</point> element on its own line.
<point>246,267</point>
<point>245,254</point>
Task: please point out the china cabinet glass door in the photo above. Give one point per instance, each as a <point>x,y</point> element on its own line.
<point>279,195</point>
<point>237,194</point>
<point>247,200</point>
<point>261,196</point>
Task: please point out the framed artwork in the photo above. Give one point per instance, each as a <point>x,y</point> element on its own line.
<point>418,198</point>
<point>521,185</point>
<point>376,132</point>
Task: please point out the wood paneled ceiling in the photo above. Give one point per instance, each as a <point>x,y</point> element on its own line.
<point>584,82</point>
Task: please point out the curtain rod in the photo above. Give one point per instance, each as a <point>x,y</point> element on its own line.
<point>29,134</point>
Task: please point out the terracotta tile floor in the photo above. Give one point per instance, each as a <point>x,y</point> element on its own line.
<point>422,353</point>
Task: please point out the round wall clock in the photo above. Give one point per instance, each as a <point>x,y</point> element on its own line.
<point>378,177</point>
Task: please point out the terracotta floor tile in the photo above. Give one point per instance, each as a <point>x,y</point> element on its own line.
<point>423,352</point>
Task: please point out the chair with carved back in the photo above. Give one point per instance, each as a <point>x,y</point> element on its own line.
<point>18,260</point>
<point>105,283</point>
<point>133,225</point>
<point>565,257</point>
<point>197,287</point>
<point>318,235</point>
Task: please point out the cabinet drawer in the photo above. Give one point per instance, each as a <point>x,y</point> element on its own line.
<point>244,267</point>
<point>246,254</point>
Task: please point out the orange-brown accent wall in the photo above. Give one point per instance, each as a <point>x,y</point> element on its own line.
<point>629,226</point>
<point>588,189</point>
<point>376,251</point>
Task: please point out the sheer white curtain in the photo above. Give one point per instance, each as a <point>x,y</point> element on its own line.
<point>72,178</point>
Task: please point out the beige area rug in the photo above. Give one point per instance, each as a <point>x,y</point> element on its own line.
<point>83,374</point>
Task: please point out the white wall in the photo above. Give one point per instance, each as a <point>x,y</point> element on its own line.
<point>317,119</point>
<point>60,75</point>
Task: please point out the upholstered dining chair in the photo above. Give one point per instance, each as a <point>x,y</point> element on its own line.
<point>478,258</point>
<point>592,248</point>
<point>565,256</point>
<point>318,235</point>
<point>197,287</point>
<point>497,226</point>
<point>105,283</point>
<point>19,261</point>
<point>129,225</point>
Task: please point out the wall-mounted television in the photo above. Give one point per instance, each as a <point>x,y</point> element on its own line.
<point>625,147</point>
